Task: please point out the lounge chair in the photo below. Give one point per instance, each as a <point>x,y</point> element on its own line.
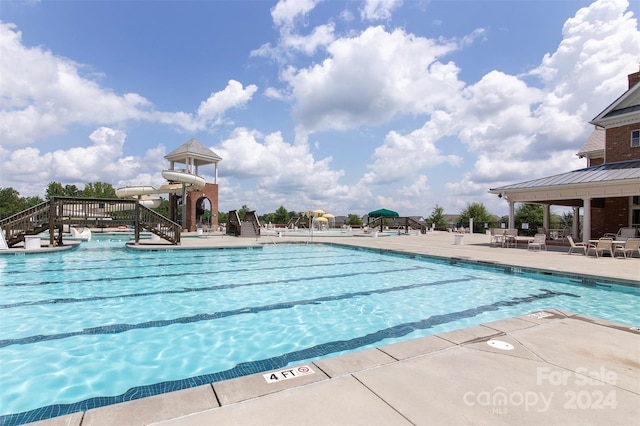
<point>630,246</point>
<point>577,246</point>
<point>539,241</point>
<point>622,235</point>
<point>625,233</point>
<point>601,246</point>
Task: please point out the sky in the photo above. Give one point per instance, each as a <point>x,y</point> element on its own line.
<point>346,106</point>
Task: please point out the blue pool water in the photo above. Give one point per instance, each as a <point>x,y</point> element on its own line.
<point>102,324</point>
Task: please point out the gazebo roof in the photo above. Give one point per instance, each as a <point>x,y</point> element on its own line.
<point>193,148</point>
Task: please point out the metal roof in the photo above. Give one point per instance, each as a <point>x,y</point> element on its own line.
<point>610,172</point>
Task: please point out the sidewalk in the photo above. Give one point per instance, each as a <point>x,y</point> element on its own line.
<point>547,367</point>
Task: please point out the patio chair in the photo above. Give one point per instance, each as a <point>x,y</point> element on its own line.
<point>539,241</point>
<point>510,237</point>
<point>497,237</point>
<point>544,231</point>
<point>629,247</point>
<point>603,244</point>
<point>576,246</point>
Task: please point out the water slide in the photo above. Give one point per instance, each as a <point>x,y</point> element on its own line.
<point>176,179</point>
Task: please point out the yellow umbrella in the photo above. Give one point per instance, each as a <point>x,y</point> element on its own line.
<point>328,215</point>
<point>318,212</point>
<point>321,219</point>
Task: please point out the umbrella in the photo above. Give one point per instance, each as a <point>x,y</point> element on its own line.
<point>318,212</point>
<point>328,215</point>
<point>383,213</point>
<point>321,219</point>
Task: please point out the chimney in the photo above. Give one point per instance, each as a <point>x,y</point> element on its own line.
<point>634,79</point>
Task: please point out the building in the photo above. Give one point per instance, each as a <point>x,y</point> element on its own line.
<point>608,189</point>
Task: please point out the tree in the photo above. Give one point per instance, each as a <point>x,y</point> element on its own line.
<point>243,212</point>
<point>354,220</point>
<point>99,190</point>
<point>478,212</point>
<point>55,189</point>
<point>223,217</point>
<point>11,202</point>
<point>437,217</point>
<point>281,215</point>
<point>566,220</point>
<point>267,218</point>
<point>163,208</point>
<point>72,191</point>
<point>531,214</point>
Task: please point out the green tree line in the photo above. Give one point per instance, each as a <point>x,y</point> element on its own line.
<point>11,203</point>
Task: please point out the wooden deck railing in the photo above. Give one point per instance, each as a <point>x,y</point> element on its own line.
<point>156,223</point>
<point>52,215</point>
<point>233,223</point>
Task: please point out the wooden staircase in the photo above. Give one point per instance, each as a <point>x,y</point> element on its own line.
<point>247,228</point>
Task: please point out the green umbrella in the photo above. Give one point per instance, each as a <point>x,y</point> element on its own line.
<point>383,213</point>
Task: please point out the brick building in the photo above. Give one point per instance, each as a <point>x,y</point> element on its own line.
<point>608,189</point>
<point>199,207</point>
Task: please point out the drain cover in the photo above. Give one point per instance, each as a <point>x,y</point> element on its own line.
<point>499,344</point>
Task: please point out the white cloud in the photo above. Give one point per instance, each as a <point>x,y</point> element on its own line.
<point>288,170</point>
<point>29,170</point>
<point>404,156</point>
<point>378,10</point>
<point>320,37</point>
<point>370,78</point>
<point>42,95</point>
<point>497,130</point>
<point>232,96</point>
<point>496,115</point>
<point>286,12</point>
<point>520,132</point>
<point>289,16</point>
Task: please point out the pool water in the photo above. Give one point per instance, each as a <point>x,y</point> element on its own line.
<point>102,324</point>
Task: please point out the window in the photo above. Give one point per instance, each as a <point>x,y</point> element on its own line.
<point>635,138</point>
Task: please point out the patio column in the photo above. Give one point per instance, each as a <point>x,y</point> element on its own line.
<point>575,226</point>
<point>546,212</point>
<point>586,223</point>
<point>512,215</point>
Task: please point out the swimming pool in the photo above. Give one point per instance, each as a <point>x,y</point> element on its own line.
<point>102,324</point>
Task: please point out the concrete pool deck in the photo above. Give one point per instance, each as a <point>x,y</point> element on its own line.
<point>548,367</point>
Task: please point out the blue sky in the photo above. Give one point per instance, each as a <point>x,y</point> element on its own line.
<point>348,106</point>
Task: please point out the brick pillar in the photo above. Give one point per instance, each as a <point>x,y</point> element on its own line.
<point>210,192</point>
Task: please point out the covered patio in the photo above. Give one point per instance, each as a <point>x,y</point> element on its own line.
<point>590,188</point>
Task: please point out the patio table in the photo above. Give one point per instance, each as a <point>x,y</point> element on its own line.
<point>522,239</point>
